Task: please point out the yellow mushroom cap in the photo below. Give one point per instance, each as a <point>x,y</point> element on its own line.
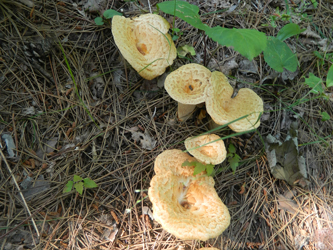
<point>212,153</point>
<point>224,109</point>
<point>187,84</point>
<point>188,207</point>
<point>144,41</point>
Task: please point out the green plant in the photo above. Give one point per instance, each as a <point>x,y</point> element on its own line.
<point>325,116</point>
<point>78,183</point>
<point>178,33</point>
<point>107,15</point>
<point>199,167</point>
<point>233,158</point>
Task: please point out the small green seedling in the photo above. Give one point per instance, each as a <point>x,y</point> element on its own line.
<point>325,116</point>
<point>182,51</point>
<point>107,15</point>
<point>233,158</point>
<point>199,167</point>
<point>79,183</point>
<point>176,33</point>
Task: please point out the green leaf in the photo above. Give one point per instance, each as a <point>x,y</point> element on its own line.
<point>199,168</point>
<point>278,55</point>
<point>99,21</point>
<point>88,183</point>
<point>188,164</point>
<point>234,162</point>
<point>209,169</point>
<point>325,116</point>
<point>77,178</point>
<point>184,50</point>
<point>289,30</point>
<point>249,43</point>
<point>185,11</point>
<point>79,187</point>
<point>314,83</point>
<point>111,13</point>
<point>68,187</point>
<point>231,148</point>
<point>329,79</point>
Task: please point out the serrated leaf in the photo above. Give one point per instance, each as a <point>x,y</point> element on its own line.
<point>185,11</point>
<point>231,148</point>
<point>325,116</point>
<point>289,30</point>
<point>278,55</point>
<point>209,169</point>
<point>329,79</point>
<point>99,21</point>
<point>79,187</point>
<point>184,50</point>
<point>88,183</point>
<point>199,168</point>
<point>68,187</point>
<point>234,162</point>
<point>77,178</point>
<point>111,13</point>
<point>249,43</point>
<point>314,83</point>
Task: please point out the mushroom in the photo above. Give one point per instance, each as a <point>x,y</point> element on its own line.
<point>224,109</point>
<point>145,43</point>
<point>208,149</point>
<point>187,86</point>
<point>186,206</point>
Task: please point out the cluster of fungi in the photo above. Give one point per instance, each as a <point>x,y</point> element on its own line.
<point>186,206</point>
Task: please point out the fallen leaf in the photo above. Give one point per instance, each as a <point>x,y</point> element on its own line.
<point>287,205</point>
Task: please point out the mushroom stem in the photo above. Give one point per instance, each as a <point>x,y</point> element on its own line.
<point>185,111</point>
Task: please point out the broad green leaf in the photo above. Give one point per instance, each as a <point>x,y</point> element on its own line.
<point>325,116</point>
<point>77,178</point>
<point>289,30</point>
<point>88,183</point>
<point>188,164</point>
<point>315,83</point>
<point>209,169</point>
<point>278,55</point>
<point>184,50</point>
<point>79,187</point>
<point>329,79</point>
<point>99,21</point>
<point>185,11</point>
<point>68,187</point>
<point>231,148</point>
<point>111,13</point>
<point>249,43</point>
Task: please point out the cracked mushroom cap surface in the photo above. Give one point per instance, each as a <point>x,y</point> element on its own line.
<point>212,153</point>
<point>187,84</point>
<point>224,109</point>
<point>145,41</point>
<point>188,207</point>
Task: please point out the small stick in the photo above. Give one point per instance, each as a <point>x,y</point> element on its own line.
<point>22,197</point>
<point>15,133</point>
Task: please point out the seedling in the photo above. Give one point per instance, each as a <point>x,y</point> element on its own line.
<point>108,14</point>
<point>176,33</point>
<point>233,158</point>
<point>199,167</point>
<point>325,116</point>
<point>78,183</point>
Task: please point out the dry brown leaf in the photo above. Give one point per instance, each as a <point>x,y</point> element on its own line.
<point>287,205</point>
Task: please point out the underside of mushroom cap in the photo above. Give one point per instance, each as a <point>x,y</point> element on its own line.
<point>188,207</point>
<point>172,160</point>
<point>188,83</point>
<point>144,41</point>
<point>224,109</point>
<point>212,153</point>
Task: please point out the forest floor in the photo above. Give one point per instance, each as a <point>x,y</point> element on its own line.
<point>52,128</point>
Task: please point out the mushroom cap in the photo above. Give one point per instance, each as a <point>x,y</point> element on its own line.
<point>172,160</point>
<point>212,153</point>
<point>188,83</point>
<point>144,41</point>
<point>188,207</point>
<point>224,109</point>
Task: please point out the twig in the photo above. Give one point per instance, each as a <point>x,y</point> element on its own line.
<point>15,133</point>
<point>22,197</point>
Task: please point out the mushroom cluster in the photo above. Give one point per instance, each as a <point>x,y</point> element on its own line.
<point>188,206</point>
<point>192,84</point>
<point>145,43</point>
